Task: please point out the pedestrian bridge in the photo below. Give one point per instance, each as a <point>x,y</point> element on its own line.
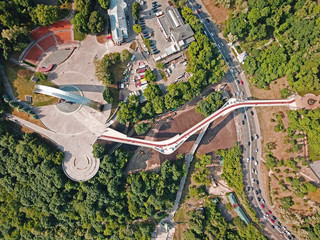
<point>68,96</point>
<point>170,145</point>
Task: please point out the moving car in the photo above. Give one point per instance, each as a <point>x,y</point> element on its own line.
<point>262,205</point>
<point>241,82</point>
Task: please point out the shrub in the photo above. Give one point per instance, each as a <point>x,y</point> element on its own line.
<point>41,76</point>
<point>160,65</point>
<point>286,202</point>
<point>107,95</point>
<point>142,128</point>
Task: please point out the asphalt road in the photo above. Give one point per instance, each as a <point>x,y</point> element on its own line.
<point>247,130</point>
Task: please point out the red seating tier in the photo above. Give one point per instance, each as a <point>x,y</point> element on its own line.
<point>47,43</point>
<point>62,25</point>
<point>39,32</point>
<point>63,37</point>
<point>33,54</point>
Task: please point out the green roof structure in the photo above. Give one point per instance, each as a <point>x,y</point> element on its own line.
<point>237,208</point>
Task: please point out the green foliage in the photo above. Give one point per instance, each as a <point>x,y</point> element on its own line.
<point>130,111</point>
<point>41,76</point>
<point>308,124</point>
<point>201,175</point>
<point>286,202</point>
<point>209,223</point>
<point>233,175</point>
<point>285,93</point>
<point>160,65</point>
<point>45,14</point>
<point>125,55</point>
<point>96,22</point>
<point>107,95</point>
<point>102,67</point>
<point>98,150</point>
<point>152,91</point>
<point>191,19</point>
<point>137,28</point>
<point>210,104</point>
<point>104,4</point>
<point>150,194</point>
<point>271,161</point>
<point>84,6</point>
<point>136,10</point>
<point>142,128</point>
<point>295,27</point>
<point>80,22</point>
<point>150,76</point>
<point>314,231</point>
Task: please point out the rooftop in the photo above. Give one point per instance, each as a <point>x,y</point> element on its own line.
<point>118,23</point>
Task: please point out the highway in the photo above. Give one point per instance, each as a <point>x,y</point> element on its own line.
<point>250,128</point>
<point>170,145</point>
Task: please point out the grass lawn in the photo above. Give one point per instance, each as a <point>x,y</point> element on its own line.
<point>78,35</point>
<point>21,85</point>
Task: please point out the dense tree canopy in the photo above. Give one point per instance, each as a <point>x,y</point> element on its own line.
<point>210,104</point>
<point>294,25</point>
<point>96,22</point>
<point>45,14</point>
<point>39,202</point>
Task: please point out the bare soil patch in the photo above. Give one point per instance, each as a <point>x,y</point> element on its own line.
<point>268,134</point>
<point>273,93</point>
<point>101,38</point>
<point>218,13</point>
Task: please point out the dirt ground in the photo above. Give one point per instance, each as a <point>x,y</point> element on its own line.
<point>101,38</point>
<point>218,13</point>
<point>269,135</point>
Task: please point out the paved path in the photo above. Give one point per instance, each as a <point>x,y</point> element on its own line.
<point>160,232</point>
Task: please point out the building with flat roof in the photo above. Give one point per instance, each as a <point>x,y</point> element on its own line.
<point>117,15</point>
<point>175,30</point>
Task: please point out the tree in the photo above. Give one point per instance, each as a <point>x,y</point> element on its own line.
<point>152,91</point>
<point>210,104</point>
<point>286,202</point>
<point>158,104</point>
<point>98,150</point>
<point>142,128</point>
<point>125,55</point>
<point>80,22</point>
<point>107,95</point>
<point>84,6</point>
<point>104,4</point>
<point>160,65</point>
<point>45,14</point>
<point>137,28</point>
<point>41,76</point>
<point>135,10</point>
<point>150,76</point>
<point>96,22</point>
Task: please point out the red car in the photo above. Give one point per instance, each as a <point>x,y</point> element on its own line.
<point>262,205</point>
<point>241,82</point>
<point>170,3</point>
<point>269,212</point>
<point>197,11</point>
<point>272,220</point>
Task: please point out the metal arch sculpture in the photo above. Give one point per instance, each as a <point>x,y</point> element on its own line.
<point>69,96</point>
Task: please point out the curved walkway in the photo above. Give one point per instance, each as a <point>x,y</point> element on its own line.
<point>170,145</point>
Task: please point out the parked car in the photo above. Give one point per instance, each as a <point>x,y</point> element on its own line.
<point>269,212</point>
<point>198,6</point>
<point>243,122</point>
<point>272,220</point>
<point>170,3</point>
<point>262,205</point>
<point>252,113</point>
<point>156,52</point>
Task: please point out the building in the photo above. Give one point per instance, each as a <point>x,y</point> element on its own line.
<point>119,27</point>
<point>237,208</point>
<point>175,30</point>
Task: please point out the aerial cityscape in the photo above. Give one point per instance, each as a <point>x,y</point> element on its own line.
<point>162,120</point>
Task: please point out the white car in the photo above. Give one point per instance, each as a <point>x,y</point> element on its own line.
<point>257,150</point>
<point>248,159</point>
<point>256,163</point>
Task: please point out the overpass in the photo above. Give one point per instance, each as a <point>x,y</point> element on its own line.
<point>170,145</point>
<point>68,96</point>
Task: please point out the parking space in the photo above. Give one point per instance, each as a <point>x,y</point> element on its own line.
<point>151,10</point>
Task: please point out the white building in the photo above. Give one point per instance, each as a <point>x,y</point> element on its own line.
<point>117,14</point>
